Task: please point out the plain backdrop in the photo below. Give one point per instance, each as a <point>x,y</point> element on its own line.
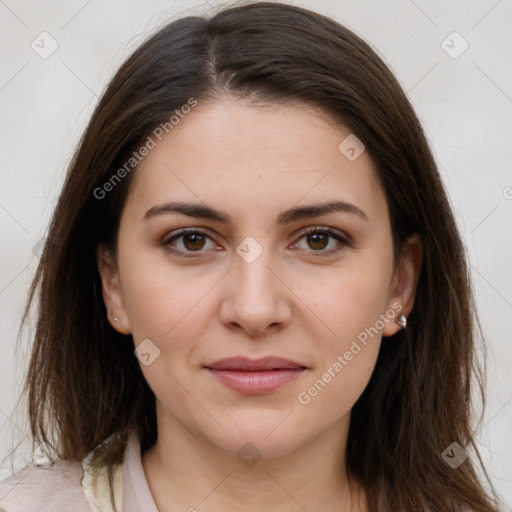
<point>452,58</point>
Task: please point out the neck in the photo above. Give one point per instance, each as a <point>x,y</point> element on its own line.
<point>188,472</point>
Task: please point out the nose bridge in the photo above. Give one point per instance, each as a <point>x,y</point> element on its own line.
<point>251,266</point>
<point>256,298</point>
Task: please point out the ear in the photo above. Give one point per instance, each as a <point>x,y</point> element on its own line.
<point>404,281</point>
<point>111,290</point>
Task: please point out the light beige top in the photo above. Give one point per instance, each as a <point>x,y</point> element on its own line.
<point>70,486</point>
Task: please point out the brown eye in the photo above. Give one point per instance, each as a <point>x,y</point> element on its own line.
<point>318,241</point>
<point>189,241</point>
<point>194,241</point>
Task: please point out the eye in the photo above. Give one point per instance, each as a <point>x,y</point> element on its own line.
<point>193,240</point>
<point>317,239</point>
<point>188,241</point>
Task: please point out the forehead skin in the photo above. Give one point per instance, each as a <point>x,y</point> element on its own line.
<point>254,162</point>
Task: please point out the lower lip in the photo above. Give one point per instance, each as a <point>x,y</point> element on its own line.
<point>256,382</point>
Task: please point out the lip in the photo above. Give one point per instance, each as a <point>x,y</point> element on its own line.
<point>255,376</point>
<point>262,364</point>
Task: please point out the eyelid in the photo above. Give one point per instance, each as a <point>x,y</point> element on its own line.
<point>327,229</point>
<point>184,231</point>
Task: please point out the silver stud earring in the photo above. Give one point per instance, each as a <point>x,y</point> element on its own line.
<point>402,321</point>
<point>116,319</point>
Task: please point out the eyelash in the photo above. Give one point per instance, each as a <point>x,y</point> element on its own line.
<point>319,253</point>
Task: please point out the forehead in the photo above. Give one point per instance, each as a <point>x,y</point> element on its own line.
<point>255,157</point>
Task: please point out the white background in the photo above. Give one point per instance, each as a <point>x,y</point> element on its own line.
<point>465,104</point>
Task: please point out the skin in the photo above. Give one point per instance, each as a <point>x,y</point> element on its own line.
<point>254,162</point>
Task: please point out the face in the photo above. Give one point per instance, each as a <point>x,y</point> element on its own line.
<point>319,290</point>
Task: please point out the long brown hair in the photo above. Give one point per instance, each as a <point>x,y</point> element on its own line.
<point>84,384</point>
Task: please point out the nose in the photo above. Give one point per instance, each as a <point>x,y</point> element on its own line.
<point>256,298</point>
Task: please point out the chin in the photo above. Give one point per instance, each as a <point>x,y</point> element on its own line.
<point>264,434</point>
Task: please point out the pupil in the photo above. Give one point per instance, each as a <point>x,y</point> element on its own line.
<point>317,238</point>
<point>196,238</point>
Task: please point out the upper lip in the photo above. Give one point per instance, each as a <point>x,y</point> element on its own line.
<point>262,364</point>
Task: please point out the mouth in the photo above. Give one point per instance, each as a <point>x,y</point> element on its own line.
<point>255,376</point>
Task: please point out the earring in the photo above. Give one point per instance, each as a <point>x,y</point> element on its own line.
<point>402,321</point>
<point>116,319</point>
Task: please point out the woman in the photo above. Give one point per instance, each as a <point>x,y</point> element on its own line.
<point>253,293</point>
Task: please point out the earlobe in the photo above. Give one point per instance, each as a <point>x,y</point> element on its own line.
<point>111,290</point>
<point>404,283</point>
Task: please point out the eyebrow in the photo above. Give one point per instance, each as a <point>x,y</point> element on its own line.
<point>202,211</point>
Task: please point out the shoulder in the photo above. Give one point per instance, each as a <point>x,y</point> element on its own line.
<point>44,489</point>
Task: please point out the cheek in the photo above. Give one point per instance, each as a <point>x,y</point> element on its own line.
<point>346,357</point>
<point>351,306</point>
<point>163,300</point>
<point>332,392</point>
<point>352,299</point>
